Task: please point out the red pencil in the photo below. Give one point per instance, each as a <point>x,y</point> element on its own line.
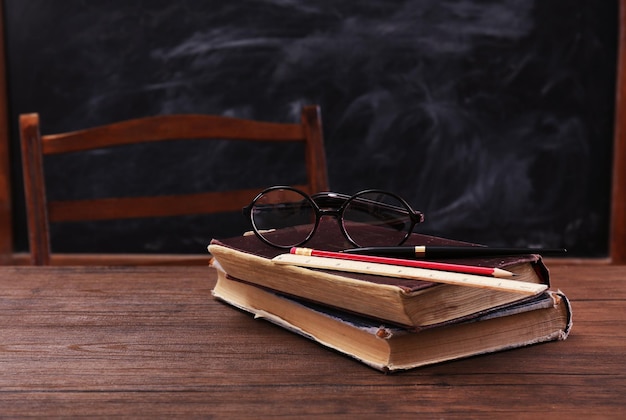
<point>457,268</point>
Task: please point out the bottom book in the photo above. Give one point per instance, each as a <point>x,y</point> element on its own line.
<point>390,348</point>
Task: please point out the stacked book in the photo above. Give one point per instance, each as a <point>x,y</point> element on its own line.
<point>392,323</point>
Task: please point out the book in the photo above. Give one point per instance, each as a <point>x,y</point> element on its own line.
<point>412,303</point>
<point>389,348</point>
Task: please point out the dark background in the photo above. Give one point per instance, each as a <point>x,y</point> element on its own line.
<point>495,118</point>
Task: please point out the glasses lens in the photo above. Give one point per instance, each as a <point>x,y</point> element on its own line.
<point>377,218</point>
<point>284,217</point>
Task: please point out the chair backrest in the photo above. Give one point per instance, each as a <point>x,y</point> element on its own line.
<point>41,212</point>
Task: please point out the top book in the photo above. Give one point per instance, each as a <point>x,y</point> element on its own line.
<point>411,303</point>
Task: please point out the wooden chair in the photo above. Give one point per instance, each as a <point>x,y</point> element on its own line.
<point>41,212</point>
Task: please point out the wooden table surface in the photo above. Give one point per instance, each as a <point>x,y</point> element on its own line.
<point>138,342</point>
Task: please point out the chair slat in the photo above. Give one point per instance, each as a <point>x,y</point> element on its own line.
<point>170,127</point>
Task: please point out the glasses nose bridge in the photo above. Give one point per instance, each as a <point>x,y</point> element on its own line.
<point>335,213</point>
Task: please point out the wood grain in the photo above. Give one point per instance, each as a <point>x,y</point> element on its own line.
<point>136,342</point>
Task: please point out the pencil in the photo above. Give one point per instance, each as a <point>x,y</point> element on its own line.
<point>449,251</point>
<point>432,265</point>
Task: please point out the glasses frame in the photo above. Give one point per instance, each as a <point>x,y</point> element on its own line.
<point>414,215</point>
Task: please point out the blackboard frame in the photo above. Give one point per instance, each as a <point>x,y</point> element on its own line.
<point>618,199</point>
<point>6,189</point>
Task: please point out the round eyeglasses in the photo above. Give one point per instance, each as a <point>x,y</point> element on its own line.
<point>286,217</point>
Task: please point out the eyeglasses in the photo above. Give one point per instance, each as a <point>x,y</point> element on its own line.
<point>285,217</point>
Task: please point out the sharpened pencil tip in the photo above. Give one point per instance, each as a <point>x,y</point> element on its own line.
<point>498,272</point>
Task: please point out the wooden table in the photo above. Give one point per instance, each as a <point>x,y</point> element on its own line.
<point>106,341</point>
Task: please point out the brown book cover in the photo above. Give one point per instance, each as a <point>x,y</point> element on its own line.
<point>545,317</point>
<point>405,302</point>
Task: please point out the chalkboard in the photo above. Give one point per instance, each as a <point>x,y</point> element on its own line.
<point>495,118</point>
